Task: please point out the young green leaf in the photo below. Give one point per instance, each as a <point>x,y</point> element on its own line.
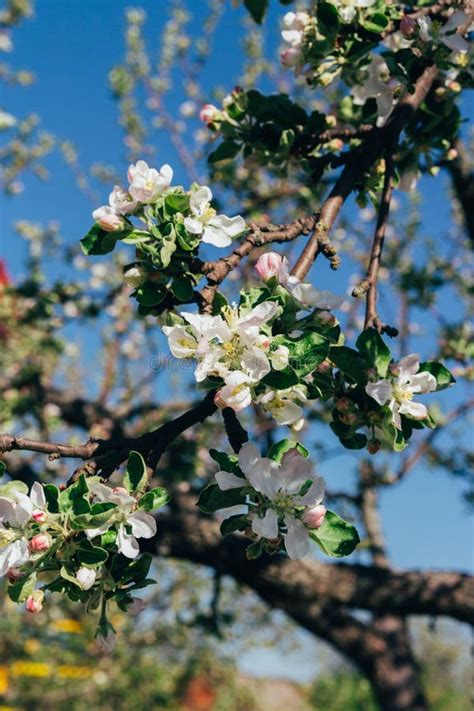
<point>372,346</point>
<point>335,537</point>
<point>136,477</point>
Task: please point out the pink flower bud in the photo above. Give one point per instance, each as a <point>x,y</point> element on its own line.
<point>34,603</point>
<point>407,26</point>
<point>111,223</point>
<point>268,265</point>
<point>39,516</point>
<point>314,517</point>
<point>373,445</point>
<point>40,543</point>
<point>290,57</point>
<point>13,574</point>
<point>343,404</point>
<point>324,367</point>
<point>394,369</point>
<point>208,113</point>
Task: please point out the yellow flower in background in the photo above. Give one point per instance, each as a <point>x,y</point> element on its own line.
<point>3,679</point>
<point>68,671</point>
<point>67,625</point>
<point>30,669</point>
<point>31,646</point>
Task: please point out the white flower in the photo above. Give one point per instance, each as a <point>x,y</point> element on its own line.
<point>283,405</point>
<point>448,34</point>
<point>6,120</point>
<point>218,230</point>
<point>121,201</point>
<point>135,276</point>
<point>281,484</point>
<point>142,524</point>
<point>305,293</point>
<point>348,8</point>
<point>86,577</point>
<point>295,25</point>
<point>291,57</point>
<point>146,183</point>
<point>378,86</point>
<point>236,392</point>
<point>16,508</point>
<point>398,391</point>
<point>225,344</point>
<point>14,550</point>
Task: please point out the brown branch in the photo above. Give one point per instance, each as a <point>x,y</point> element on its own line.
<point>360,161</point>
<point>369,284</point>
<point>368,492</point>
<point>462,176</point>
<point>107,455</point>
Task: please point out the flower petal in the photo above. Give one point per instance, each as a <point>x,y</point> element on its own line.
<point>248,457</point>
<point>296,539</point>
<point>227,480</point>
<point>143,524</point>
<point>416,410</point>
<point>37,496</point>
<point>266,527</point>
<point>381,391</point>
<point>127,544</point>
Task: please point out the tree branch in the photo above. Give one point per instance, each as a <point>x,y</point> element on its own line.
<point>358,163</point>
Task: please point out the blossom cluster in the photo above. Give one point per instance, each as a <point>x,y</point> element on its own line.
<point>277,501</point>
<point>81,540</point>
<point>316,47</point>
<point>256,349</point>
<point>170,225</point>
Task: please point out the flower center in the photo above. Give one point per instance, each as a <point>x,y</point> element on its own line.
<point>283,501</point>
<point>402,395</point>
<point>6,536</point>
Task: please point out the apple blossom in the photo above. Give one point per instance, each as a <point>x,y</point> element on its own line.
<point>295,24</point>
<point>34,602</point>
<point>398,391</point>
<point>40,543</point>
<point>269,265</point>
<point>378,86</point>
<point>283,405</point>
<point>142,524</point>
<point>14,550</point>
<point>121,201</point>
<point>107,219</point>
<point>448,33</point>
<point>218,230</point>
<point>290,491</point>
<point>86,577</point>
<point>146,183</point>
<point>291,57</point>
<point>236,392</point>
<point>208,113</point>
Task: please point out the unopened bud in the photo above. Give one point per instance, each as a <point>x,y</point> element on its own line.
<point>268,265</point>
<point>373,445</point>
<point>39,516</point>
<point>135,276</point>
<point>455,86</point>
<point>349,418</point>
<point>452,154</point>
<point>86,577</point>
<point>314,517</point>
<point>337,144</point>
<point>208,113</point>
<point>34,603</point>
<point>40,543</point>
<point>291,57</point>
<point>13,574</point>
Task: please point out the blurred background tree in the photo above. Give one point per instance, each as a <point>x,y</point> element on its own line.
<point>75,361</point>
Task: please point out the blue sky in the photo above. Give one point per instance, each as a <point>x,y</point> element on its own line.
<point>71,47</point>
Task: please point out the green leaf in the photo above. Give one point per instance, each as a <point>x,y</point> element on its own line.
<point>281,379</point>
<point>2,469</point>
<point>392,435</point>
<point>306,352</point>
<point>154,499</point>
<point>371,345</point>
<point>257,9</point>
<point>90,555</point>
<point>98,241</point>
<point>20,590</point>
<point>74,497</point>
<point>278,449</point>
<point>136,477</point>
<point>100,513</point>
<point>328,19</point>
<point>225,151</point>
<point>442,375</point>
<point>227,462</point>
<point>51,494</point>
<point>354,441</point>
<point>377,22</point>
<point>64,573</point>
<point>108,538</point>
<point>234,523</point>
<point>12,487</point>
<point>177,202</point>
<point>335,537</point>
<point>182,288</point>
<point>150,294</point>
<point>212,498</point>
<point>350,362</point>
